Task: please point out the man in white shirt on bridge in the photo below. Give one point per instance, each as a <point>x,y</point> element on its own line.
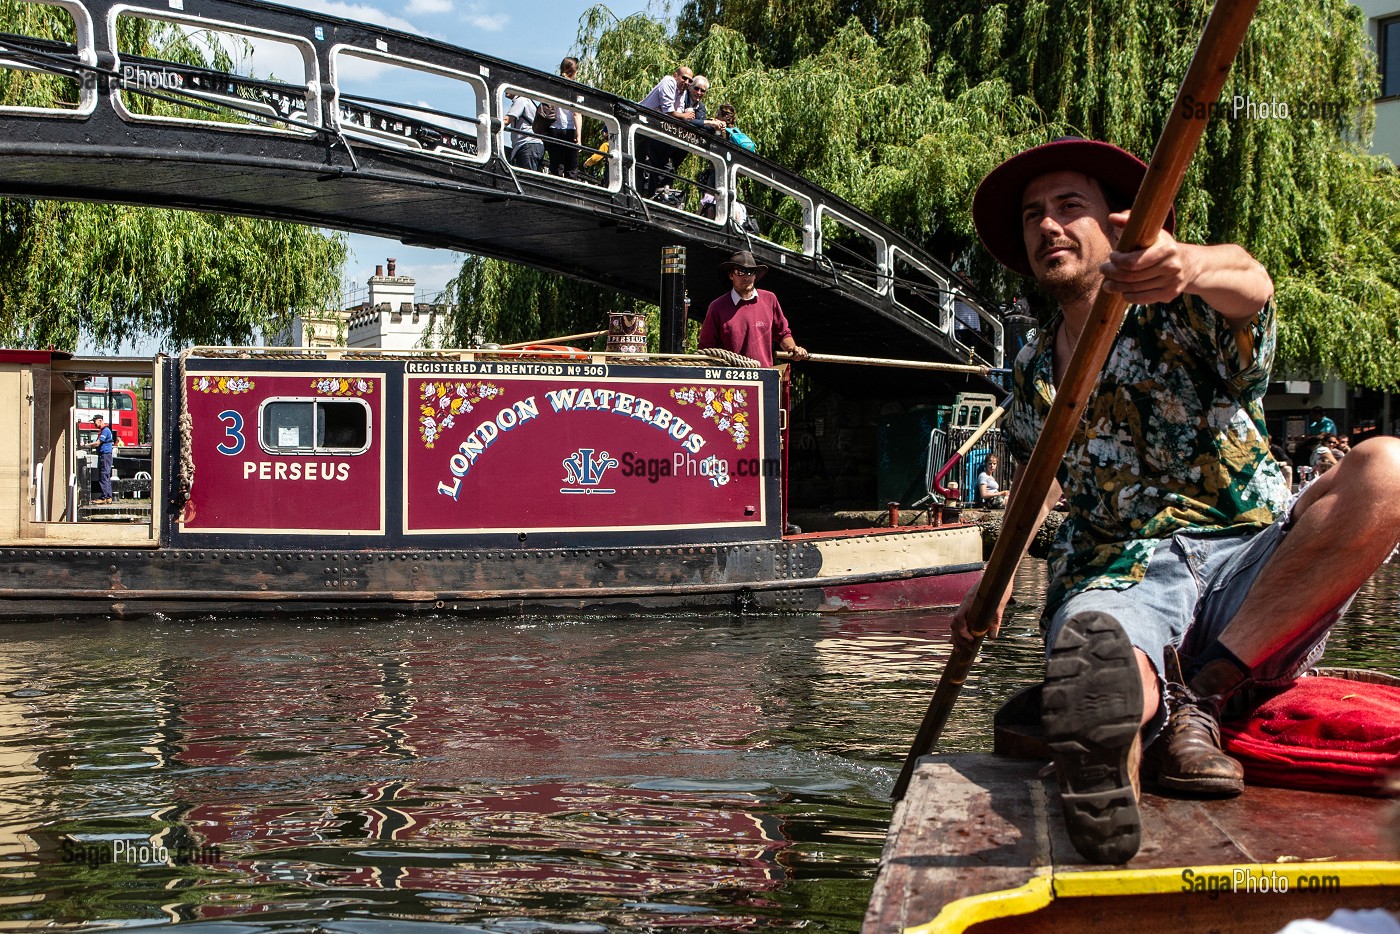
<point>527,151</point>
<point>668,97</point>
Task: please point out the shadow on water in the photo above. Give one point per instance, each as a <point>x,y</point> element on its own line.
<point>701,774</point>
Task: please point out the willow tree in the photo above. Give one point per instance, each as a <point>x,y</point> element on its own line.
<point>1295,188</point>
<point>786,31</point>
<point>114,274</point>
<point>827,116</point>
<point>506,303</point>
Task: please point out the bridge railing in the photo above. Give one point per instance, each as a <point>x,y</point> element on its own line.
<point>293,73</point>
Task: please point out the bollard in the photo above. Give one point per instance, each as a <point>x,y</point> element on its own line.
<point>673,299</point>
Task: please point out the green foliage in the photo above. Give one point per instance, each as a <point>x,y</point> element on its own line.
<point>787,31</point>
<point>507,304</point>
<point>115,273</point>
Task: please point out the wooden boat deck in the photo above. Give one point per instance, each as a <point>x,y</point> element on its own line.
<point>979,844</point>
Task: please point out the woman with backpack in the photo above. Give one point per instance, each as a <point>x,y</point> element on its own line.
<point>722,124</point>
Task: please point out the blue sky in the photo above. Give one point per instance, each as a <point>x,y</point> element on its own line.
<point>537,33</point>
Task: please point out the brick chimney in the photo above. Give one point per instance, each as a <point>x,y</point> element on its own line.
<point>392,263</point>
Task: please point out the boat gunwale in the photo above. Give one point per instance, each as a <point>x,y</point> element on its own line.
<point>1051,884</point>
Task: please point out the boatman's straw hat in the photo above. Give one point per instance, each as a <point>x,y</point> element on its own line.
<point>745,260</point>
<point>996,207</point>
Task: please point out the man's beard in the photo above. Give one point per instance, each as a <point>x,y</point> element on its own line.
<point>1068,286</point>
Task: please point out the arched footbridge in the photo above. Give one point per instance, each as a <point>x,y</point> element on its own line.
<point>313,140</point>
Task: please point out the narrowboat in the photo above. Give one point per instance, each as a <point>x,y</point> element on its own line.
<point>469,482</point>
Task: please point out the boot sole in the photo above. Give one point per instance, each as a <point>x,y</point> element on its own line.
<point>1201,787</point>
<point>1091,709</point>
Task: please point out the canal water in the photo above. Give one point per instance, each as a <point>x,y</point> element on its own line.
<point>401,776</point>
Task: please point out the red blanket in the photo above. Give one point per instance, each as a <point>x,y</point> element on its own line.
<point>1321,734</point>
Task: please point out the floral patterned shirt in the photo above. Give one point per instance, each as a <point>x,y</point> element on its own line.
<point>1173,439</point>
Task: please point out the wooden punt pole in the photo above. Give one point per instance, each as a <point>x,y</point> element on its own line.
<point>1219,44</point>
<point>888,361</point>
<point>553,340</point>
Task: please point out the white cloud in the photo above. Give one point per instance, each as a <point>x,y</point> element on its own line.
<point>358,73</point>
<point>416,7</point>
<point>492,22</point>
<point>359,12</point>
<point>479,17</point>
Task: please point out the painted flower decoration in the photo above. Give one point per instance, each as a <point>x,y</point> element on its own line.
<point>727,408</point>
<point>338,386</point>
<point>441,403</point>
<point>222,385</point>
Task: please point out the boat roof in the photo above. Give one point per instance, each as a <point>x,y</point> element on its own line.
<point>9,355</point>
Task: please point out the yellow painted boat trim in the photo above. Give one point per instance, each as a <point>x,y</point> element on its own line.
<point>1039,892</point>
<point>965,912</point>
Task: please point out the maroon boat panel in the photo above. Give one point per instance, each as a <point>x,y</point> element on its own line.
<point>515,453</point>
<point>302,452</point>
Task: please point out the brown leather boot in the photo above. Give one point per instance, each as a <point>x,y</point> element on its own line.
<point>1188,758</point>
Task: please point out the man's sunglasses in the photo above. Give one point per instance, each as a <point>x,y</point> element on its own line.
<point>745,272</point>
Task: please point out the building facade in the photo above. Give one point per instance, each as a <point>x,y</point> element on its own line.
<point>391,319</point>
<point>1383,24</point>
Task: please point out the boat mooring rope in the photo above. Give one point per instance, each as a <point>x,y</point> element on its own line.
<point>186,436</point>
<point>731,358</point>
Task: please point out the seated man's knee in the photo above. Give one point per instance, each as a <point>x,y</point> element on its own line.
<point>1375,463</point>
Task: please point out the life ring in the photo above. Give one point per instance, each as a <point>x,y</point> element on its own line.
<point>550,351</point>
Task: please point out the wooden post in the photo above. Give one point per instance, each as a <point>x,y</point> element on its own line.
<point>673,299</point>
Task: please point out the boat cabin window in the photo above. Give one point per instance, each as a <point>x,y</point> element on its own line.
<point>314,426</point>
<point>116,401</point>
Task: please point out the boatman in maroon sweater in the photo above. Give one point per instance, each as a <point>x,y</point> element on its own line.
<point>748,320</point>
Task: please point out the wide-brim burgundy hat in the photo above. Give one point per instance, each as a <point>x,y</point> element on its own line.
<point>743,259</point>
<point>996,207</point>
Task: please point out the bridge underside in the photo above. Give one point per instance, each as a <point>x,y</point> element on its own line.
<point>597,237</point>
<point>320,146</point>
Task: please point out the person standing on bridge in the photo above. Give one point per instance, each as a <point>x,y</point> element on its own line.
<point>668,97</point>
<point>748,320</point>
<point>528,151</point>
<point>694,112</point>
<point>1181,535</point>
<point>567,131</point>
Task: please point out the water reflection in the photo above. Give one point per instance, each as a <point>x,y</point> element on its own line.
<point>701,774</point>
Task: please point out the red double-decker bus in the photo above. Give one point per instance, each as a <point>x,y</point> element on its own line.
<point>117,407</point>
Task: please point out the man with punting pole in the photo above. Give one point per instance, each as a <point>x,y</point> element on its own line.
<point>1181,541</point>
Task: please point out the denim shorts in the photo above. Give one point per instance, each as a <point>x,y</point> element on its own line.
<point>1193,587</point>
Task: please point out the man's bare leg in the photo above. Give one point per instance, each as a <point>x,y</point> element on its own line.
<point>1345,526</point>
<point>1151,696</point>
